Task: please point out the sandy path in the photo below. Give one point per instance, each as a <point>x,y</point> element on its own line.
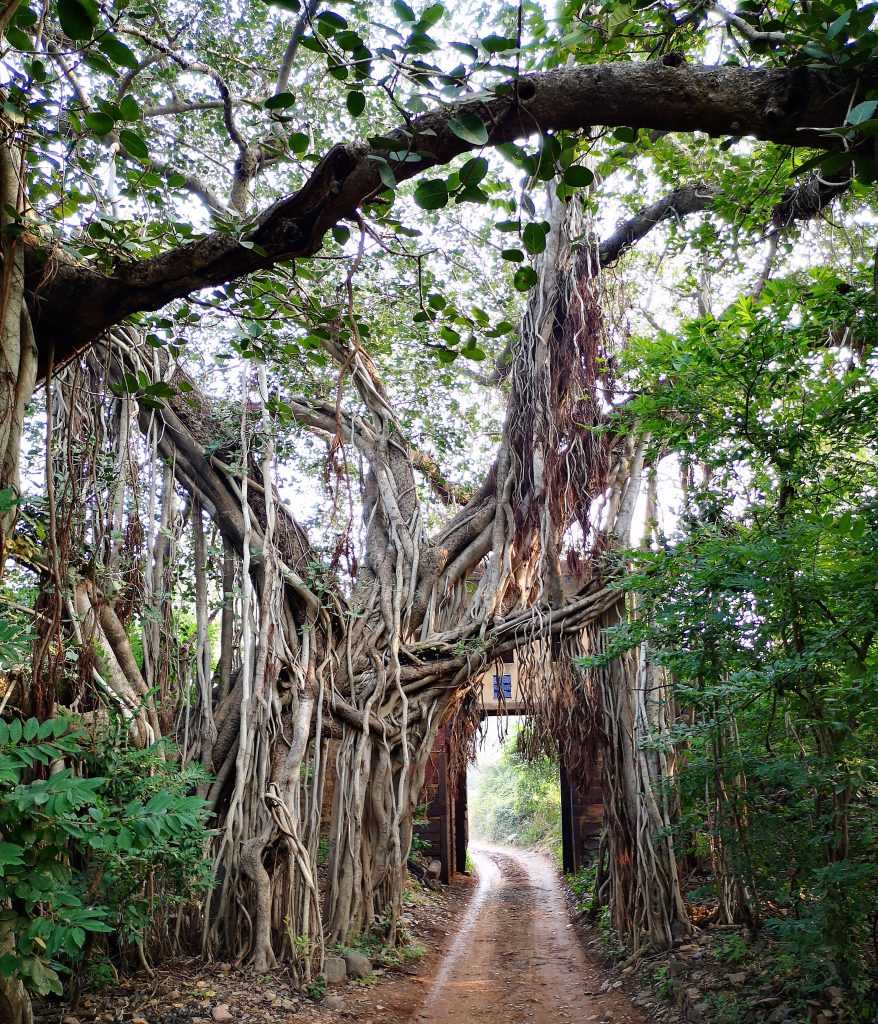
<point>516,958</point>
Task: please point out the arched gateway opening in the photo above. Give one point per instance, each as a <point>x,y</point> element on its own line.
<point>443,827</point>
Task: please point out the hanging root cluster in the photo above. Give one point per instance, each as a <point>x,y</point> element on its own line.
<point>317,694</point>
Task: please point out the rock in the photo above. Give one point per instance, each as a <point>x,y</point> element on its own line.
<point>334,970</point>
<point>738,978</point>
<point>675,968</point>
<point>834,994</point>
<point>220,1014</point>
<point>434,870</point>
<point>779,1014</point>
<point>333,1003</point>
<point>358,965</point>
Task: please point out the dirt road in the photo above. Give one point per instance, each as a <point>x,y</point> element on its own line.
<point>516,958</point>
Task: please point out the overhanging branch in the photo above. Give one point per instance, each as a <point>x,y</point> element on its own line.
<point>789,106</point>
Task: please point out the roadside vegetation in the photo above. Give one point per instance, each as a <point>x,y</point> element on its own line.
<point>517,801</point>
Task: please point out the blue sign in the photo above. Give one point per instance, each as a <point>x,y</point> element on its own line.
<point>503,685</point>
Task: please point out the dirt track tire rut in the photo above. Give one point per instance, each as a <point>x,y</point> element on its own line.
<point>516,958</point>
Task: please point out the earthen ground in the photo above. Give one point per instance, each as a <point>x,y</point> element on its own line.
<point>500,949</point>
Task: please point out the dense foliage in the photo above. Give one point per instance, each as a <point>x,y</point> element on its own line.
<point>763,605</point>
<point>300,468</point>
<point>95,848</point>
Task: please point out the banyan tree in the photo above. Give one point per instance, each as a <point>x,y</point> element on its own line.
<point>317,674</point>
<point>328,657</point>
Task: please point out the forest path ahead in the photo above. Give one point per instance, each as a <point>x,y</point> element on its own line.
<point>516,958</point>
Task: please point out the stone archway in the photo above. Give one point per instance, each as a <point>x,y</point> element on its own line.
<point>444,829</point>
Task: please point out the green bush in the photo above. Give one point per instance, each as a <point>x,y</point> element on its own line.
<point>90,847</point>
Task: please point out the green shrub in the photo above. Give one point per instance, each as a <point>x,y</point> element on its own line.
<point>84,853</point>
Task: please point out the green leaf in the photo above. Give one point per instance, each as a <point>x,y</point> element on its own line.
<point>524,279</point>
<point>469,128</point>
<point>444,355</point>
<point>499,44</point>
<point>862,112</point>
<point>78,18</point>
<point>431,16</point>
<point>534,238</point>
<point>513,255</point>
<point>385,171</point>
<point>405,14</point>
<point>472,351</point>
<point>625,134</point>
<point>18,39</point>
<point>348,40</point>
<point>25,17</point>
<point>840,23</point>
<point>100,124</point>
<point>287,5</point>
<point>466,49</point>
<point>330,22</point>
<point>432,194</point>
<point>129,109</point>
<point>280,101</point>
<point>473,171</point>
<point>134,144</point>
<point>98,62</point>
<point>10,854</point>
<point>578,176</point>
<point>356,102</point>
<point>117,51</point>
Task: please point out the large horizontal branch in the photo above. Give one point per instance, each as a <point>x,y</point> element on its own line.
<point>790,106</point>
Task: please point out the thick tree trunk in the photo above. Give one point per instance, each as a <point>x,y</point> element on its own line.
<point>15,1004</point>
<point>18,351</point>
<point>645,896</point>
